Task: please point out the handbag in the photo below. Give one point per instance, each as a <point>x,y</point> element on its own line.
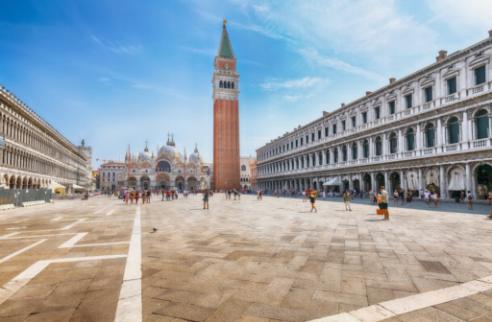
<point>380,212</point>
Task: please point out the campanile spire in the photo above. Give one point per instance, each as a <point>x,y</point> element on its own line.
<point>225,83</point>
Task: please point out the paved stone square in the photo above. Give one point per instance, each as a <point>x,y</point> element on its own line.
<point>243,260</point>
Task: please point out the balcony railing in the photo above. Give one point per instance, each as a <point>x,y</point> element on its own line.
<point>452,147</point>
<point>480,143</point>
<point>477,89</point>
<point>451,98</point>
<point>428,151</point>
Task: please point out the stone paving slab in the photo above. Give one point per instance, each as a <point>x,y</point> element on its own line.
<point>244,260</point>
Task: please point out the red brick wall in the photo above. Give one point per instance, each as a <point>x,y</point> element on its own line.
<point>226,144</point>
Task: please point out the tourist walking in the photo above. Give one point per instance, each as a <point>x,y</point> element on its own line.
<point>469,198</point>
<point>346,200</point>
<point>312,199</point>
<point>205,198</point>
<point>382,200</point>
<point>396,196</point>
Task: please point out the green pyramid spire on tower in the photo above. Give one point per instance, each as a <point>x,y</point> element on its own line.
<point>225,49</point>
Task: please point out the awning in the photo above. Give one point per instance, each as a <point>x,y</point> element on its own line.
<point>334,181</point>
<point>55,185</point>
<point>77,187</point>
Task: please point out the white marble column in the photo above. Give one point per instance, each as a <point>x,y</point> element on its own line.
<point>468,185</point>
<point>421,180</point>
<point>464,132</point>
<point>403,181</point>
<point>442,183</point>
<point>400,141</point>
<point>439,134</point>
<point>373,182</point>
<point>386,182</point>
<point>418,138</point>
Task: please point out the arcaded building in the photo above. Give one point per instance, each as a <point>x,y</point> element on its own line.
<point>225,84</point>
<point>35,155</point>
<point>428,130</point>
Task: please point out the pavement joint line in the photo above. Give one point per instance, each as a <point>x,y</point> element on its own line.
<point>7,236</point>
<point>20,251</point>
<point>34,236</point>
<point>57,218</point>
<point>109,213</point>
<point>67,227</point>
<point>15,284</point>
<point>72,241</point>
<point>129,307</point>
<point>400,306</point>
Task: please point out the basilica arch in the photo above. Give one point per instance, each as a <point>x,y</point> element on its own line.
<point>179,183</point>
<point>162,180</point>
<point>132,182</point>
<point>145,182</point>
<point>193,184</point>
<point>163,166</point>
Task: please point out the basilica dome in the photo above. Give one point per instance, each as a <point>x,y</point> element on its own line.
<point>168,152</point>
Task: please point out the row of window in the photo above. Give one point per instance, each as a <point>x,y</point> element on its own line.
<point>25,161</point>
<point>428,96</point>
<point>226,84</point>
<point>453,136</point>
<point>15,131</point>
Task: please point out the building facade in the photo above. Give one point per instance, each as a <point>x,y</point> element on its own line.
<point>246,175</point>
<point>33,154</point>
<point>428,130</point>
<point>112,176</point>
<point>225,83</point>
<point>164,169</point>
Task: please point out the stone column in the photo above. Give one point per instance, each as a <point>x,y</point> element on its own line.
<point>468,185</point>
<point>403,181</point>
<point>385,145</point>
<point>464,131</point>
<point>371,147</point>
<point>439,134</point>
<point>386,182</point>
<point>401,142</point>
<point>373,182</point>
<point>442,183</point>
<point>418,138</point>
<point>420,179</point>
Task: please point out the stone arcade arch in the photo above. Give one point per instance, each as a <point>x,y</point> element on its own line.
<point>366,179</point>
<point>395,182</point>
<point>483,179</point>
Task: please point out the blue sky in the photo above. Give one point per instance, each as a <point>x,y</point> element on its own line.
<point>123,72</point>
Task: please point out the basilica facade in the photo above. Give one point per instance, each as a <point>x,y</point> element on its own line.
<point>166,168</point>
<point>428,130</point>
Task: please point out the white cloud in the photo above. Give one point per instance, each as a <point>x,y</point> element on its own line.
<point>459,14</point>
<point>314,57</point>
<point>292,84</point>
<point>117,47</point>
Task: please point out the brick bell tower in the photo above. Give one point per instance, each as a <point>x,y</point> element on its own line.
<point>226,117</point>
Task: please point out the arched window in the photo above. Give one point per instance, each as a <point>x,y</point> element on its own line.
<point>482,124</point>
<point>344,153</point>
<point>393,142</point>
<point>320,158</point>
<point>379,146</point>
<point>163,166</point>
<point>430,135</point>
<point>327,156</point>
<point>335,155</point>
<point>354,151</point>
<point>221,84</point>
<point>232,85</point>
<point>410,140</point>
<point>453,130</point>
<point>365,148</point>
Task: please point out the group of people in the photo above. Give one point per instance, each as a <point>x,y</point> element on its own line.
<point>232,192</point>
<point>135,196</point>
<point>168,194</point>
